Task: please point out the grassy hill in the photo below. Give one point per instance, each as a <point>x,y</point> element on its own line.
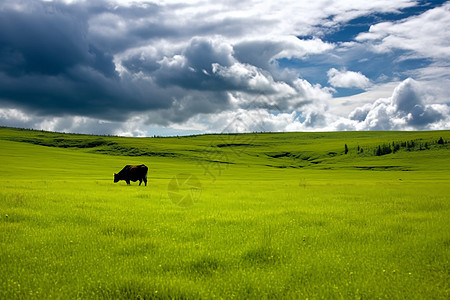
<point>313,150</point>
<point>272,215</point>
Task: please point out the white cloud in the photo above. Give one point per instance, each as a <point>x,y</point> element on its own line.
<point>18,118</point>
<point>427,35</point>
<point>264,52</point>
<point>411,106</point>
<point>13,114</point>
<point>347,79</point>
<point>343,106</point>
<point>250,78</point>
<point>407,109</point>
<point>272,18</point>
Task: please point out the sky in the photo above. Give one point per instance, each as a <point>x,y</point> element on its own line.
<point>145,68</point>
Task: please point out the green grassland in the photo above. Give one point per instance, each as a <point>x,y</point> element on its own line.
<point>278,215</point>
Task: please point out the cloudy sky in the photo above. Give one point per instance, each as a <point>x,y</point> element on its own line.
<point>143,68</point>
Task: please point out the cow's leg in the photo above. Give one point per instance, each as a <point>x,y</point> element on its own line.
<point>128,182</point>
<point>145,181</point>
<point>140,181</point>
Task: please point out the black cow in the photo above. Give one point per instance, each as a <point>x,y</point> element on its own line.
<point>132,173</point>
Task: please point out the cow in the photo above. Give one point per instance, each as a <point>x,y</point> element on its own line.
<point>132,173</point>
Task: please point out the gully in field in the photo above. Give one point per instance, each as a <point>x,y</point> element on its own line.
<point>132,173</point>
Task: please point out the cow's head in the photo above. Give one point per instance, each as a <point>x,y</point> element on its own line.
<point>116,178</point>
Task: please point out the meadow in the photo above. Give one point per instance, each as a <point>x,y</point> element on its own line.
<point>271,215</point>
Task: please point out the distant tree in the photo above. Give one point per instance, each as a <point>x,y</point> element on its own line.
<point>441,141</point>
<point>346,149</point>
<point>395,147</point>
<point>410,145</point>
<point>383,149</point>
<point>378,152</point>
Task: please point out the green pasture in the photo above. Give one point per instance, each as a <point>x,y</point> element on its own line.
<point>278,215</point>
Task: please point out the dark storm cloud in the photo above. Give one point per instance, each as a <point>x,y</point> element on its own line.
<point>119,28</point>
<point>49,66</point>
<point>193,68</point>
<point>257,53</point>
<point>136,64</point>
<point>192,104</point>
<point>43,42</point>
<point>58,59</point>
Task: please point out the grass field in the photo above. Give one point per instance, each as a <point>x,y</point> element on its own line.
<point>286,215</point>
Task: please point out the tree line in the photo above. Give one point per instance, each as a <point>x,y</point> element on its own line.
<point>387,148</point>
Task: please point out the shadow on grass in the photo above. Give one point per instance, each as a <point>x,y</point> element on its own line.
<point>132,289</point>
<point>262,255</point>
<point>204,266</point>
